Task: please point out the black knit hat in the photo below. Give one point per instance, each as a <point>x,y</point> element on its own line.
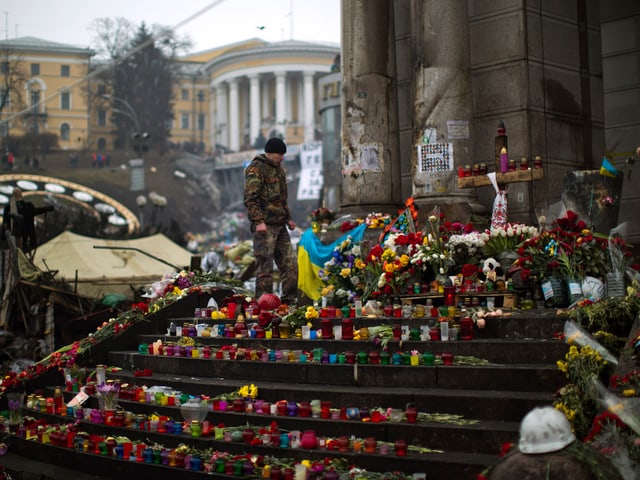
<point>275,145</point>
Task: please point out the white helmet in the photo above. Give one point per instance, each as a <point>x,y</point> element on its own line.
<point>544,430</point>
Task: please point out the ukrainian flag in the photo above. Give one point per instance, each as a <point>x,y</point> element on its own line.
<point>313,254</point>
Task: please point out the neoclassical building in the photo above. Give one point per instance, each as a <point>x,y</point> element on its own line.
<point>261,89</point>
<point>226,99</point>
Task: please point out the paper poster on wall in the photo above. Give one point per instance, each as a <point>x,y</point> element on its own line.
<point>435,157</point>
<point>369,157</point>
<point>311,178</point>
<point>457,130</point>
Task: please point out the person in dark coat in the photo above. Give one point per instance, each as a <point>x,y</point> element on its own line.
<point>265,197</point>
<point>18,218</point>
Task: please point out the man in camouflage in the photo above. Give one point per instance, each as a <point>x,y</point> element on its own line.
<point>265,197</point>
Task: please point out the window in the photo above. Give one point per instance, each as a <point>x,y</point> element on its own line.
<point>65,71</point>
<point>65,132</point>
<point>35,98</point>
<point>102,118</point>
<point>184,121</point>
<point>102,89</point>
<point>4,67</point>
<point>35,69</point>
<point>65,101</point>
<point>201,121</point>
<point>185,94</point>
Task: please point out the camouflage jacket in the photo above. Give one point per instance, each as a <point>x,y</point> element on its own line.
<point>265,192</point>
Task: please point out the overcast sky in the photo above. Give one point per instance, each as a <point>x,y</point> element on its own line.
<point>209,23</point>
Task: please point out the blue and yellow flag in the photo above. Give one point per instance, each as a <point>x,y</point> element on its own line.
<point>607,169</point>
<point>313,254</point>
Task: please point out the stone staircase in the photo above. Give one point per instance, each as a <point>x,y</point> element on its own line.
<point>490,399</point>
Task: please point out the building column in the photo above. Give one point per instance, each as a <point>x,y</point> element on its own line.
<point>210,115</point>
<point>309,107</point>
<point>443,107</point>
<point>281,99</point>
<point>254,111</point>
<point>234,116</point>
<point>222,120</point>
<point>370,145</point>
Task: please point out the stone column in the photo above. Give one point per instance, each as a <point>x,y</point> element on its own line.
<point>211,115</point>
<point>370,163</point>
<point>281,116</point>
<point>309,107</point>
<point>442,104</point>
<point>222,120</point>
<point>234,116</point>
<point>254,112</point>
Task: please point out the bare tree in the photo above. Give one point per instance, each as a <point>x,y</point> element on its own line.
<point>13,79</point>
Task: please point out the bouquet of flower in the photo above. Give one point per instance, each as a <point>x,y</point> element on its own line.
<point>108,394</point>
<point>246,392</point>
<point>467,247</point>
<point>14,402</point>
<point>433,253</point>
<point>322,215</point>
<point>506,239</point>
<point>342,275</point>
<point>387,268</point>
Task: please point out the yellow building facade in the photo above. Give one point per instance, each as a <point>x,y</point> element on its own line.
<point>225,99</point>
<point>51,92</point>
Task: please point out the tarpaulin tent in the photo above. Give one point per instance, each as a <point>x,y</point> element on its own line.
<point>100,266</point>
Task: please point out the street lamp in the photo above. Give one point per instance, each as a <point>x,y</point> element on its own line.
<point>141,201</point>
<point>201,120</point>
<point>139,138</point>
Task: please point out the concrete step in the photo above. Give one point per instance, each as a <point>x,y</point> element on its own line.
<point>441,466</point>
<point>491,399</point>
<point>495,350</point>
<point>514,377</point>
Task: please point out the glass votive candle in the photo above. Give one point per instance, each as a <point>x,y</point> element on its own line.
<point>370,445</point>
<point>401,448</point>
<point>447,358</point>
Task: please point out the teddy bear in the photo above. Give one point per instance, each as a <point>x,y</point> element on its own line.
<point>492,271</point>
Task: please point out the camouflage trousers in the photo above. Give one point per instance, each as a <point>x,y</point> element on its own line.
<point>271,246</point>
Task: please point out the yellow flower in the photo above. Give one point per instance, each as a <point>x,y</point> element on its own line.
<point>326,291</point>
<point>359,264</point>
<point>253,391</point>
<point>629,392</point>
<point>345,272</point>
<point>389,267</point>
<point>388,254</point>
<point>311,312</point>
<point>404,260</point>
<point>562,366</point>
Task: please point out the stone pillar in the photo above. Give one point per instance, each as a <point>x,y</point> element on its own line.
<point>442,107</point>
<point>211,114</point>
<point>222,120</point>
<point>309,107</point>
<point>254,112</point>
<point>370,163</point>
<point>234,116</point>
<point>281,116</point>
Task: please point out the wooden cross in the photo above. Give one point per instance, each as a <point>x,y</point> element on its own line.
<point>500,209</point>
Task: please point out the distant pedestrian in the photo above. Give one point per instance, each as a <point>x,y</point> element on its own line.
<point>18,219</point>
<point>10,160</point>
